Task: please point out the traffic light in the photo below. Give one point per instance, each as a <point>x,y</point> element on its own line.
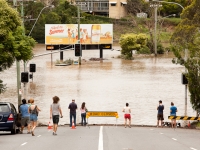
<point>78,50</point>
<point>184,79</point>
<point>32,68</point>
<point>24,77</point>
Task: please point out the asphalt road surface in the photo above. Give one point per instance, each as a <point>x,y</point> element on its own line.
<point>103,138</point>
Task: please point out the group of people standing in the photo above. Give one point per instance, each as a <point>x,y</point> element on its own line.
<point>29,114</point>
<point>160,116</point>
<point>55,110</point>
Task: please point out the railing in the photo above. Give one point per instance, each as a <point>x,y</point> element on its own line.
<point>93,6</point>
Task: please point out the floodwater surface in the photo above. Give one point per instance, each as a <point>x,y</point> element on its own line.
<point>103,85</point>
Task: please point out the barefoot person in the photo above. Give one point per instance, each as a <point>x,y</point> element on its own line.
<point>127,115</point>
<point>54,113</point>
<point>33,110</point>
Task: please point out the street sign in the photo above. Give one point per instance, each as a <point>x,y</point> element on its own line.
<point>102,114</point>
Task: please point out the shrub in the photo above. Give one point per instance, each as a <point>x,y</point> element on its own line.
<point>144,50</point>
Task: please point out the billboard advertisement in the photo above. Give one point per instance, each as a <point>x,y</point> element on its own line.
<point>68,34</point>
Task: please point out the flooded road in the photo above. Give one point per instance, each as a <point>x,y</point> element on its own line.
<point>104,85</point>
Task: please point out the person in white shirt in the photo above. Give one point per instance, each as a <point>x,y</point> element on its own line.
<point>127,114</point>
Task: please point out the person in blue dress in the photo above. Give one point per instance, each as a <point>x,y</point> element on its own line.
<point>173,110</point>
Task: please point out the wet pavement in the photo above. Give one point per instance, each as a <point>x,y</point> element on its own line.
<point>104,85</point>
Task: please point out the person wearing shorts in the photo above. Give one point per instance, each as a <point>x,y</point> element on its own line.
<point>54,113</point>
<point>127,115</point>
<point>25,120</point>
<point>160,117</point>
<point>173,110</point>
<point>33,110</point>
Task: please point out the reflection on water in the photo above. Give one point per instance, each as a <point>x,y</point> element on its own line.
<point>104,86</point>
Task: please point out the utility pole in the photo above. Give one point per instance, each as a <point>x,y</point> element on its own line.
<point>18,71</point>
<point>22,17</point>
<point>155,5</point>
<point>155,30</point>
<point>185,84</point>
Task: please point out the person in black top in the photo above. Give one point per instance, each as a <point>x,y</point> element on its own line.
<point>160,109</point>
<point>72,107</point>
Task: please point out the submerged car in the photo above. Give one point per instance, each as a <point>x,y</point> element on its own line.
<point>9,118</point>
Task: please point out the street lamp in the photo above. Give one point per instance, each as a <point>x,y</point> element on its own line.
<point>164,18</point>
<point>49,6</point>
<point>155,5</point>
<point>169,3</point>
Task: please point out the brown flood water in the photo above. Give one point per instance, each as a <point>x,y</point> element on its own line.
<point>104,86</point>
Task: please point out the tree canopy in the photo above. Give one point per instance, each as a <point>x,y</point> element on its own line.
<point>129,42</point>
<point>14,45</point>
<point>186,38</point>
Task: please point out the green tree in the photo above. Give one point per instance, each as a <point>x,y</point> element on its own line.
<point>168,9</point>
<point>129,42</point>
<point>136,6</point>
<point>14,45</point>
<point>63,13</point>
<point>186,36</point>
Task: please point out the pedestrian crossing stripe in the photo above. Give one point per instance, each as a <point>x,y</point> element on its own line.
<point>183,118</point>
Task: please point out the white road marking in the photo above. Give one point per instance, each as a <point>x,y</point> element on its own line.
<point>174,139</point>
<point>193,148</point>
<point>161,133</point>
<point>151,129</point>
<point>24,144</point>
<point>38,135</point>
<point>100,147</point>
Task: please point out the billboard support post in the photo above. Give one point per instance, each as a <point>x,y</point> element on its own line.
<point>61,56</point>
<point>79,60</point>
<point>101,51</point>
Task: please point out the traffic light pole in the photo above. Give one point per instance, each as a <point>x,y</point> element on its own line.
<point>22,16</point>
<point>18,72</point>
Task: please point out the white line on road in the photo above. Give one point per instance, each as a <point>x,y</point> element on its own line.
<point>174,139</point>
<point>100,138</point>
<point>161,133</point>
<point>38,135</point>
<point>24,144</point>
<point>193,148</point>
<point>151,129</point>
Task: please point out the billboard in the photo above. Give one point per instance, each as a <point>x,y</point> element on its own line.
<point>68,34</point>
